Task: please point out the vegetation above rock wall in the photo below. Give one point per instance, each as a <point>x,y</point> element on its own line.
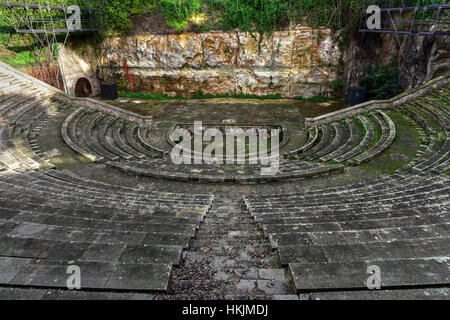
<point>246,15</point>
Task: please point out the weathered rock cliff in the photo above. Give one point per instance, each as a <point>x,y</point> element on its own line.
<point>302,61</point>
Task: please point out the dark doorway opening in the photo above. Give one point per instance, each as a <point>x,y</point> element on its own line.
<point>83,88</point>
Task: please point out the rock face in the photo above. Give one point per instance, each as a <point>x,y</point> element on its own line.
<point>78,64</point>
<point>302,61</point>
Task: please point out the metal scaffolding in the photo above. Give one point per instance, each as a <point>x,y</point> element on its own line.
<point>50,22</point>
<point>411,23</point>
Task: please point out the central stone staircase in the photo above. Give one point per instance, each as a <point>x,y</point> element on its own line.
<point>230,259</point>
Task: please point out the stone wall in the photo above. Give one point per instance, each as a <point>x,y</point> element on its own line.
<point>78,63</point>
<point>302,61</point>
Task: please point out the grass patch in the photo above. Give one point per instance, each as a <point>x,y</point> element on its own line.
<point>445,100</point>
<point>377,133</point>
<point>158,96</point>
<point>200,95</point>
<point>313,98</point>
<point>400,153</point>
<point>20,60</point>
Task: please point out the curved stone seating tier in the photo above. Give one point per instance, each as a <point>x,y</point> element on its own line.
<point>344,142</point>
<point>443,167</point>
<point>432,134</point>
<point>58,217</point>
<point>120,140</point>
<point>131,133</point>
<point>165,169</point>
<point>152,140</point>
<point>107,140</point>
<point>435,101</point>
<point>374,187</point>
<point>313,136</point>
<point>98,275</point>
<point>334,142</point>
<point>128,239</point>
<point>12,157</point>
<point>388,132</point>
<point>401,223</point>
<point>363,143</point>
<point>326,134</point>
<point>435,124</point>
<point>91,138</point>
<point>440,116</point>
<point>99,137</point>
<point>73,179</point>
<point>49,184</point>
<point>68,131</point>
<point>348,141</point>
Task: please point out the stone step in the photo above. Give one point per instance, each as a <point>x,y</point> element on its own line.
<point>106,140</point>
<point>356,225</point>
<point>68,131</point>
<point>121,141</point>
<point>91,138</point>
<point>57,233</point>
<point>27,272</point>
<point>416,231</point>
<point>246,288</point>
<point>333,143</point>
<point>326,134</point>
<point>388,133</point>
<point>124,226</point>
<point>399,249</point>
<point>313,138</point>
<point>78,182</point>
<point>85,251</point>
<point>398,294</point>
<point>237,273</point>
<point>131,138</point>
<point>20,293</point>
<point>354,276</point>
<point>417,212</point>
<point>423,185</point>
<point>349,141</point>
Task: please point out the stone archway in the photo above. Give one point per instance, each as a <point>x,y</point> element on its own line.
<point>83,88</point>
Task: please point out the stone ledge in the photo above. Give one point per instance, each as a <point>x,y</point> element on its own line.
<point>380,104</point>
<point>85,102</point>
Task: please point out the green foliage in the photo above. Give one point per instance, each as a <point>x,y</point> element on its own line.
<point>16,49</point>
<point>249,15</point>
<point>337,85</point>
<point>445,100</point>
<point>382,82</point>
<point>262,16</point>
<point>140,95</point>
<point>199,95</point>
<point>122,84</point>
<point>313,98</point>
<point>333,13</point>
<point>178,12</point>
<point>119,12</point>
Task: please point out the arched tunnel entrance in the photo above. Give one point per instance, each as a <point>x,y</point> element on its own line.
<point>83,88</point>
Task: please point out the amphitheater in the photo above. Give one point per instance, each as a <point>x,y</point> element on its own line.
<point>91,184</point>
